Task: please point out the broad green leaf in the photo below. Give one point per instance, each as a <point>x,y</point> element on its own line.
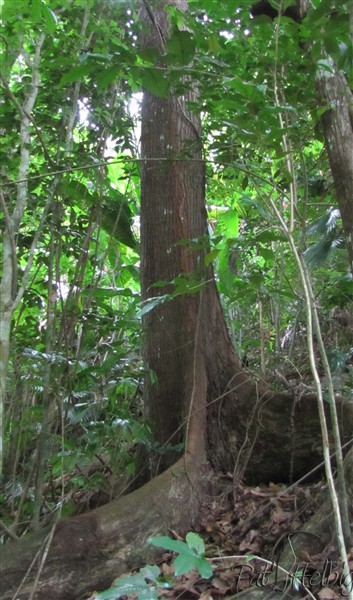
<point>106,76</point>
<point>149,305</point>
<point>185,285</point>
<point>181,45</point>
<point>152,376</point>
<point>129,584</point>
<point>227,275</point>
<point>213,45</point>
<point>148,593</point>
<point>36,11</point>
<point>229,223</point>
<point>211,256</point>
<point>116,218</point>
<point>168,543</point>
<point>76,73</point>
<point>204,567</point>
<point>246,90</point>
<point>150,572</point>
<point>50,18</point>
<point>155,83</point>
<point>267,254</point>
<point>196,543</point>
<point>184,563</point>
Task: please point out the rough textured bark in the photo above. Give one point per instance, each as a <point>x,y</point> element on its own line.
<point>172,212</point>
<point>89,551</point>
<point>187,347</point>
<point>337,124</point>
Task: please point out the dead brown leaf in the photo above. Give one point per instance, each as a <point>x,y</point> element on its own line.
<point>206,596</point>
<point>327,594</point>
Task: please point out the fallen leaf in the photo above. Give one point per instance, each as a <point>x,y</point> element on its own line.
<point>206,596</point>
<point>327,594</point>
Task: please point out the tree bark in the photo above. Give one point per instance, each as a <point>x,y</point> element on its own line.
<point>187,349</point>
<point>89,551</point>
<point>337,123</point>
<point>172,213</point>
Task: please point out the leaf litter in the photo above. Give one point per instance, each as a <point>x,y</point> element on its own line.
<point>244,532</point>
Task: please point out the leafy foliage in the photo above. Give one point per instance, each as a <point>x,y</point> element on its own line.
<point>190,554</point>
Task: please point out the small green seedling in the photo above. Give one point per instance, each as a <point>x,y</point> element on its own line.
<point>191,555</point>
<point>146,582</point>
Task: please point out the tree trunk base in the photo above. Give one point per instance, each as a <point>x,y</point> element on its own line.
<point>89,551</point>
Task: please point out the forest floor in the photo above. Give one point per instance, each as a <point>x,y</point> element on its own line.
<point>244,531</point>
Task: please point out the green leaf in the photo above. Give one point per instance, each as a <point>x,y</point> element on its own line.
<point>190,285</point>
<point>196,543</point>
<point>149,305</point>
<point>105,77</point>
<point>244,89</point>
<point>168,543</point>
<point>76,73</point>
<point>130,584</point>
<point>204,567</point>
<point>184,563</point>
<point>213,45</point>
<point>117,218</point>
<point>229,223</point>
<point>50,18</point>
<point>245,183</point>
<point>150,572</point>
<point>267,254</point>
<point>36,11</point>
<point>154,81</point>
<point>211,256</point>
<point>181,45</point>
<point>189,554</point>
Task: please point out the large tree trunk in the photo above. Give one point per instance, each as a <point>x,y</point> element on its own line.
<point>87,552</point>
<point>195,375</point>
<point>193,371</point>
<point>172,212</point>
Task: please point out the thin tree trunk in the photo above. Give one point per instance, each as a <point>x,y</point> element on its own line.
<point>8,284</point>
<point>337,122</point>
